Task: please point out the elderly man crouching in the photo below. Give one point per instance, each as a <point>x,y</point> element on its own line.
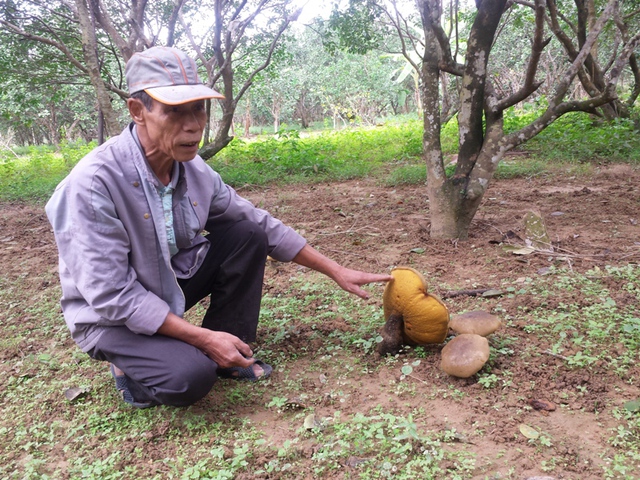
<point>145,229</point>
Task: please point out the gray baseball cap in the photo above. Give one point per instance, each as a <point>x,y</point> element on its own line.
<point>168,75</point>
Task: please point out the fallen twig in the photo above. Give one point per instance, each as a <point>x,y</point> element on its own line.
<point>418,379</point>
<point>459,293</point>
<point>561,357</point>
<point>629,255</point>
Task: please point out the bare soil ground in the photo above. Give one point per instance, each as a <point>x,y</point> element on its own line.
<point>592,221</point>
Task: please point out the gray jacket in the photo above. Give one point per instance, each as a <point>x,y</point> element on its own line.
<point>115,266</point>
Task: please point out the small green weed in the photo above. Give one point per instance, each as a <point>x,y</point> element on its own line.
<point>625,463</point>
<point>589,330</point>
<point>384,446</point>
<point>488,380</point>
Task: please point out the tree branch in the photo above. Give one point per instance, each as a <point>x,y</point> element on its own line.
<point>447,62</point>
<point>633,62</point>
<point>537,47</point>
<point>196,46</point>
<point>171,27</point>
<point>395,22</point>
<point>37,38</point>
<point>136,20</point>
<point>585,51</point>
<point>90,49</point>
<point>267,61</point>
<point>104,20</point>
<point>619,65</point>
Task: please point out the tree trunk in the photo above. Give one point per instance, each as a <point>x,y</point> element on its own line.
<point>275,112</point>
<point>89,49</point>
<point>451,214</point>
<point>207,128</point>
<point>301,109</point>
<point>438,191</point>
<point>454,201</point>
<point>100,127</point>
<point>247,121</point>
<point>52,126</point>
<point>222,138</point>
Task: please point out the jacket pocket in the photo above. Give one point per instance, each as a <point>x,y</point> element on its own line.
<point>186,262</point>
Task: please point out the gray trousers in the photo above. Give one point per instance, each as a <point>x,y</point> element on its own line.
<point>167,371</point>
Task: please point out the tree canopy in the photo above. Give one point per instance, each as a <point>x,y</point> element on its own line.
<point>91,40</point>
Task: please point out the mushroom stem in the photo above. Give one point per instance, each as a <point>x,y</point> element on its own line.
<point>391,334</point>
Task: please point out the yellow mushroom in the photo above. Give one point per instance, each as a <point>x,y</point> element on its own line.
<point>426,318</point>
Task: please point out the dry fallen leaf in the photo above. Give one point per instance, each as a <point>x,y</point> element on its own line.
<point>73,393</point>
<point>632,406</point>
<point>492,293</point>
<point>523,251</point>
<point>311,422</point>
<point>528,431</point>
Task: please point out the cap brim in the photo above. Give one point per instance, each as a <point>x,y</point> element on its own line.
<point>179,94</point>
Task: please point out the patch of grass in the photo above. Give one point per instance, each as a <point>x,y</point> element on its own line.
<point>391,152</point>
<point>521,168</point>
<point>35,174</point>
<point>314,300</point>
<point>626,439</point>
<point>576,138</point>
<point>591,330</point>
<point>383,445</point>
<point>407,175</point>
<point>340,155</point>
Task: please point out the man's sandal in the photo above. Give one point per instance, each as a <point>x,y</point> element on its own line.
<point>246,373</point>
<point>123,388</point>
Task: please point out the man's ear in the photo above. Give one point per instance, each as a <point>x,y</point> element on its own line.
<point>136,110</point>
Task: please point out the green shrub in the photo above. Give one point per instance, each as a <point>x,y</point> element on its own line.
<point>337,155</point>
<point>407,175</point>
<point>576,138</point>
<point>391,151</point>
<point>35,174</point>
<point>520,167</point>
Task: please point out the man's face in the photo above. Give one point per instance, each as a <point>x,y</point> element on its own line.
<point>173,132</point>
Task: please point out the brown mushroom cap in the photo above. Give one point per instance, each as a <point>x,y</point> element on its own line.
<point>476,321</point>
<point>465,355</point>
<point>426,318</point>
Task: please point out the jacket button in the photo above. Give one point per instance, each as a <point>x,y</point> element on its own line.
<point>146,216</point>
<point>136,184</point>
<point>195,204</point>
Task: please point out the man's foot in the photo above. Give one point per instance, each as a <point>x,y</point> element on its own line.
<point>123,389</point>
<point>253,373</point>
